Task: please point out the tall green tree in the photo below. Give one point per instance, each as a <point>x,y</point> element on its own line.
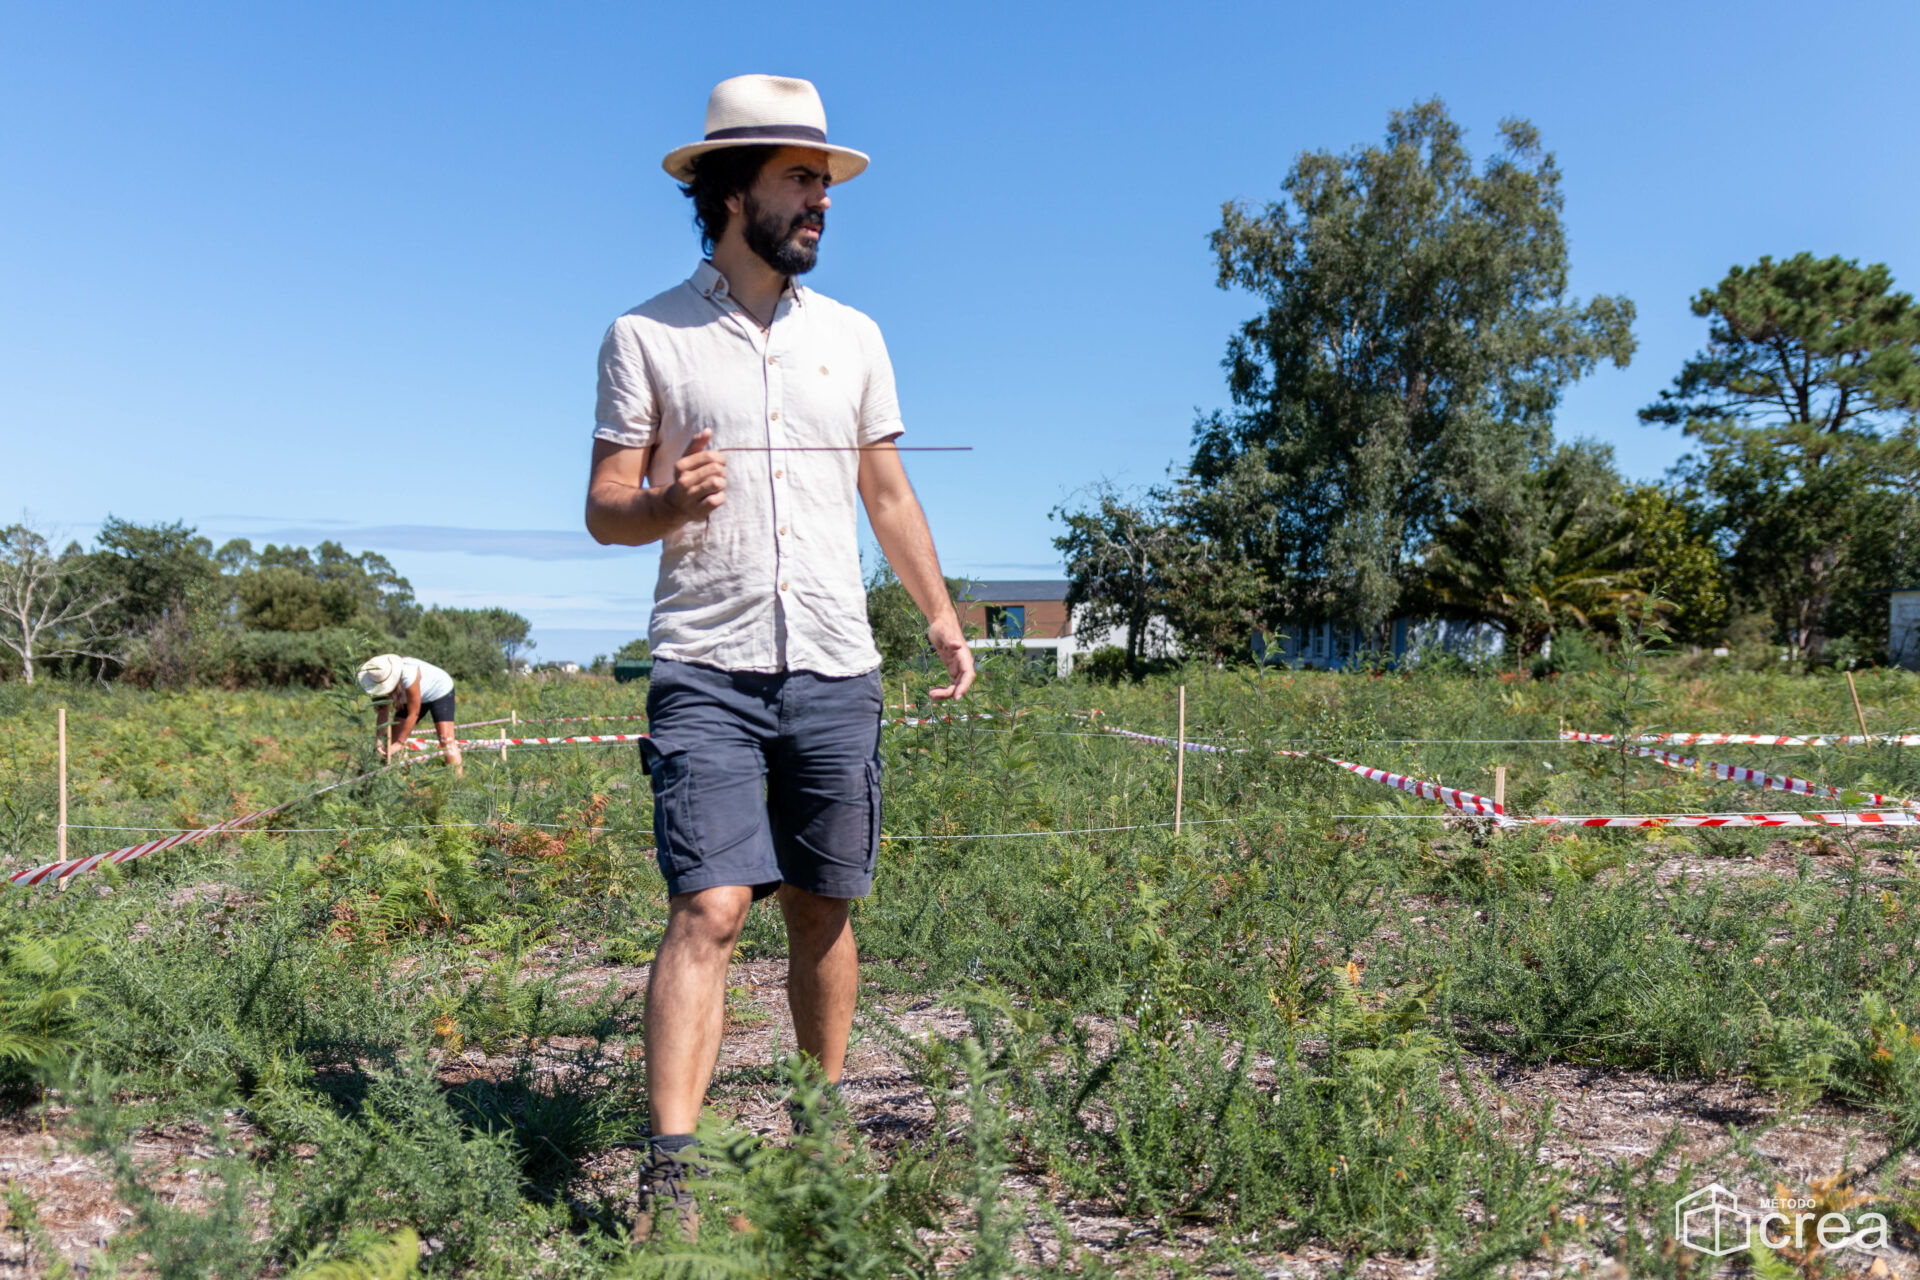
<point>169,595</point>
<point>1802,402</point>
<point>156,571</point>
<point>376,588</point>
<point>1416,311</point>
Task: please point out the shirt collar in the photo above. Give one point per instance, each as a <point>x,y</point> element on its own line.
<point>709,283</point>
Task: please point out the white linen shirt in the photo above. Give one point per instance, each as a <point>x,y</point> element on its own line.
<point>772,581</point>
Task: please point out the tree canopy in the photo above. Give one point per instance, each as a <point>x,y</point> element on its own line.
<point>1416,313</point>
<point>1803,402</point>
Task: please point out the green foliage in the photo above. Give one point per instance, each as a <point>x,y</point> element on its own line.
<point>1105,665</point>
<point>403,1153</point>
<point>1123,556</point>
<point>283,598</point>
<point>639,650</point>
<point>1416,316</point>
<point>236,659</point>
<point>394,1258</point>
<point>1534,549</point>
<point>1261,1034</point>
<point>1802,403</point>
<point>41,994</point>
<point>1673,551</point>
<point>471,645</point>
<point>899,628</point>
<point>821,1206</point>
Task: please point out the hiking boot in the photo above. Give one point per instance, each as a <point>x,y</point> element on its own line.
<point>664,1196</point>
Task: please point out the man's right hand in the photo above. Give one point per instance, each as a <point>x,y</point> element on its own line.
<point>699,480</point>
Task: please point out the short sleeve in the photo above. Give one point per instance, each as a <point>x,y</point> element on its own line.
<point>880,402</point>
<point>625,411</point>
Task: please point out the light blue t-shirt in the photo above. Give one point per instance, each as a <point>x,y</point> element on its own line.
<point>435,684</point>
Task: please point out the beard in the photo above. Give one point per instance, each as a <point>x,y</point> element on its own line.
<point>776,238</point>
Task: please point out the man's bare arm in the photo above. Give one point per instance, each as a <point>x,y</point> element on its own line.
<point>901,527</point>
<point>622,509</point>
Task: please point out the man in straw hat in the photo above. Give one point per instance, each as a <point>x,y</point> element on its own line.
<point>765,703</point>
<point>409,688</point>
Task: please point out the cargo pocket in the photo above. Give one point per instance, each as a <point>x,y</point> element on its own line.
<point>873,813</point>
<point>675,843</point>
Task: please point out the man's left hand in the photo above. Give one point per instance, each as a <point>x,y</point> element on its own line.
<point>951,644</point>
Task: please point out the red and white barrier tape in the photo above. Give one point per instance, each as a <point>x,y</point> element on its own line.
<point>1859,818</point>
<point>482,724</point>
<point>1754,739</point>
<point>49,872</point>
<point>484,744</point>
<point>1761,778</point>
<point>1190,746</point>
<point>1452,797</point>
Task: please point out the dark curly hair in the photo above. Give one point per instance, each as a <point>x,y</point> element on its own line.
<point>718,176</point>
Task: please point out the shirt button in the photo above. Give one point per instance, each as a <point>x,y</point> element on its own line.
<point>783,586</point>
<point>778,474</point>
<point>773,359</point>
<point>774,416</point>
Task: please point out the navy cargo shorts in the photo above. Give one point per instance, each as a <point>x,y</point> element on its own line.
<point>764,779</point>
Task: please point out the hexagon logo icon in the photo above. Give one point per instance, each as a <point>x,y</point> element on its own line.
<point>1711,1221</point>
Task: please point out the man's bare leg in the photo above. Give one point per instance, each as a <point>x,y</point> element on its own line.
<point>686,1001</point>
<point>823,975</point>
<point>446,744</point>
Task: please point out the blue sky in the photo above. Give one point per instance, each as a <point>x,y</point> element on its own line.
<point>302,271</point>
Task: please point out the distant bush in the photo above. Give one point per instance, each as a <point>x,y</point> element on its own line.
<point>1571,653</point>
<point>1105,665</point>
<point>458,641</point>
<point>235,659</point>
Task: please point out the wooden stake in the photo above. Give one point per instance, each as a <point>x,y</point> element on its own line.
<point>903,699</point>
<point>1180,763</point>
<point>503,737</point>
<point>60,718</point>
<point>1500,787</point>
<point>1858,714</point>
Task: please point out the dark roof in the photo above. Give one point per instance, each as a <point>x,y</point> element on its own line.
<point>1014,590</point>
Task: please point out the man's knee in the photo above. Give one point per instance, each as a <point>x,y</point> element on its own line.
<point>811,912</point>
<point>712,917</point>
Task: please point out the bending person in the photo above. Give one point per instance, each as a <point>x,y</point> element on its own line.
<point>406,687</point>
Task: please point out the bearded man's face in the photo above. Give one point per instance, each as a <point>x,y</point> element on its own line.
<point>784,213</point>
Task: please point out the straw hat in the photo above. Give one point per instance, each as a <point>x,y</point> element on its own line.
<point>766,111</point>
<point>379,675</point>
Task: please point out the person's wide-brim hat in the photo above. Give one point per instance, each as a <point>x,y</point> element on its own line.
<point>379,675</point>
<point>766,111</point>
